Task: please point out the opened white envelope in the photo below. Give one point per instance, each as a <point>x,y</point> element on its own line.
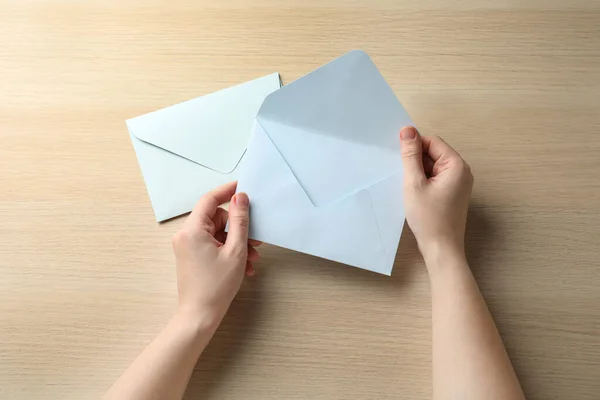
<point>187,149</point>
<point>323,169</point>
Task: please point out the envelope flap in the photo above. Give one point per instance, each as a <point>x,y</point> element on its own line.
<point>211,130</point>
<point>337,127</point>
<point>282,214</point>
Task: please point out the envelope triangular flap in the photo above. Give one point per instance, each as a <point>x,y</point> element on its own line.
<point>282,214</point>
<point>337,127</point>
<point>211,130</point>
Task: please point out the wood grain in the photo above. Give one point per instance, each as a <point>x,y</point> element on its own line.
<point>87,277</point>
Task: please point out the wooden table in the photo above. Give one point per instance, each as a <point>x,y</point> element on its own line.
<point>87,276</point>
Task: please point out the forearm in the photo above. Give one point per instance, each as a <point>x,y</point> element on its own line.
<point>163,369</point>
<point>469,359</point>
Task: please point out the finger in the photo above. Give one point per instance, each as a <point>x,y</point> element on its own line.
<point>220,219</point>
<point>207,206</point>
<point>253,254</point>
<point>412,159</point>
<point>427,165</point>
<point>221,237</point>
<point>239,215</point>
<point>250,271</point>
<point>436,148</point>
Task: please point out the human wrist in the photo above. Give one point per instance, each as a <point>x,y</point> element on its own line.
<point>190,330</point>
<point>444,255</point>
<point>198,320</point>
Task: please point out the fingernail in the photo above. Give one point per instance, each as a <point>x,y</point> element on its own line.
<point>408,133</point>
<point>241,199</point>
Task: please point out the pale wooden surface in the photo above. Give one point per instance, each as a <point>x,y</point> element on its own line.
<point>87,277</point>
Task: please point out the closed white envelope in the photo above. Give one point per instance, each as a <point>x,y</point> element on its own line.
<point>323,169</point>
<point>187,149</point>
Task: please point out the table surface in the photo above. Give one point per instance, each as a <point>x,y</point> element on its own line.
<point>87,276</point>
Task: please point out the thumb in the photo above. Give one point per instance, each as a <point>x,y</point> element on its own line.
<point>239,218</point>
<point>412,154</point>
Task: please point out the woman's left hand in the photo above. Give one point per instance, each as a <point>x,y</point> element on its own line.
<point>211,263</point>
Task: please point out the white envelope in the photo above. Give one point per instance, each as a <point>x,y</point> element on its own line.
<point>323,169</point>
<point>187,149</point>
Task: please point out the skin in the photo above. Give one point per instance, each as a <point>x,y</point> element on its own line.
<point>469,359</point>
<point>210,268</point>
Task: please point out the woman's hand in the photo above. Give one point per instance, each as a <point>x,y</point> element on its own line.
<point>469,359</point>
<point>210,270</point>
<point>210,262</point>
<point>437,189</point>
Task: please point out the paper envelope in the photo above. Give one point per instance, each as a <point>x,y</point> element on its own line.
<point>187,149</point>
<point>323,168</point>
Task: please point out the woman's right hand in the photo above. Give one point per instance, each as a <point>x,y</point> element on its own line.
<point>437,189</point>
